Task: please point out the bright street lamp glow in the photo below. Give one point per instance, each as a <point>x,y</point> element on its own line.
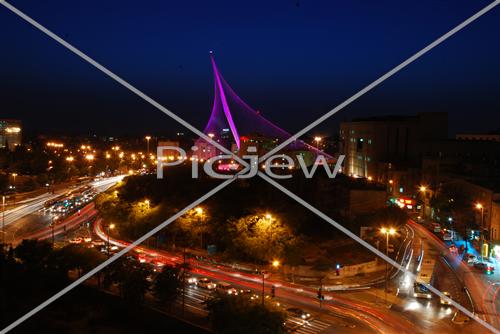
<point>392,231</point>
<point>423,188</point>
<point>276,263</point>
<point>111,226</point>
<point>199,210</point>
<point>479,206</point>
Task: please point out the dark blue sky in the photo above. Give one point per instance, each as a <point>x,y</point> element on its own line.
<point>293,60</point>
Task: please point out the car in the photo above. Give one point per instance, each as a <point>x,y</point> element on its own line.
<point>227,288</point>
<point>444,301</point>
<point>488,268</point>
<point>191,279</point>
<point>470,258</point>
<point>299,313</point>
<point>205,283</point>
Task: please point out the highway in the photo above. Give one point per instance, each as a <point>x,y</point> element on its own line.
<point>25,220</point>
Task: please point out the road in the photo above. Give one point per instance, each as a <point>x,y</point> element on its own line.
<point>25,221</point>
<point>483,288</point>
<point>364,315</point>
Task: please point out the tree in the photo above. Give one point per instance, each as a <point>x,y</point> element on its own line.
<point>132,278</point>
<point>259,237</point>
<point>82,259</point>
<point>33,254</point>
<point>239,314</point>
<point>167,284</point>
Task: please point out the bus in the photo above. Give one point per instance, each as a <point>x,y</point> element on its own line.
<point>424,278</point>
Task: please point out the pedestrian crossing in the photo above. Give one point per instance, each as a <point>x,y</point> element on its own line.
<point>195,299</point>
<point>313,326</point>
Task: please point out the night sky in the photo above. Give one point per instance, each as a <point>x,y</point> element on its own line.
<point>292,60</point>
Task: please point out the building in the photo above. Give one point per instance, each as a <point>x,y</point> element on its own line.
<point>171,153</point>
<point>493,136</point>
<point>389,149</point>
<point>484,195</point>
<point>10,133</point>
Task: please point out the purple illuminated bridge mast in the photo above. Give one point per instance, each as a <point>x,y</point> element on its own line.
<point>232,119</point>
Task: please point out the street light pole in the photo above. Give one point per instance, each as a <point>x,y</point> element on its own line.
<point>423,189</point>
<point>148,138</point>
<point>15,189</point>
<point>109,227</point>
<point>53,226</point>
<point>3,221</point>
<point>481,207</point>
<point>387,232</point>
<point>263,273</point>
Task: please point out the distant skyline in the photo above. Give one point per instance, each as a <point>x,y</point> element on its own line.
<point>291,60</point>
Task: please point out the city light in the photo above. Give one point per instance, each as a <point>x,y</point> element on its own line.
<point>479,206</point>
<point>389,231</point>
<point>276,263</point>
<point>13,130</point>
<point>55,145</point>
<point>90,157</point>
<point>199,210</point>
<point>423,188</point>
<point>70,159</point>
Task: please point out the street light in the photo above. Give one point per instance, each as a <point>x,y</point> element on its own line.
<point>317,140</point>
<point>148,138</point>
<point>110,227</point>
<point>276,263</point>
<point>479,206</point>
<point>15,190</point>
<point>423,190</point>
<point>199,214</point>
<point>147,203</point>
<point>387,232</point>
